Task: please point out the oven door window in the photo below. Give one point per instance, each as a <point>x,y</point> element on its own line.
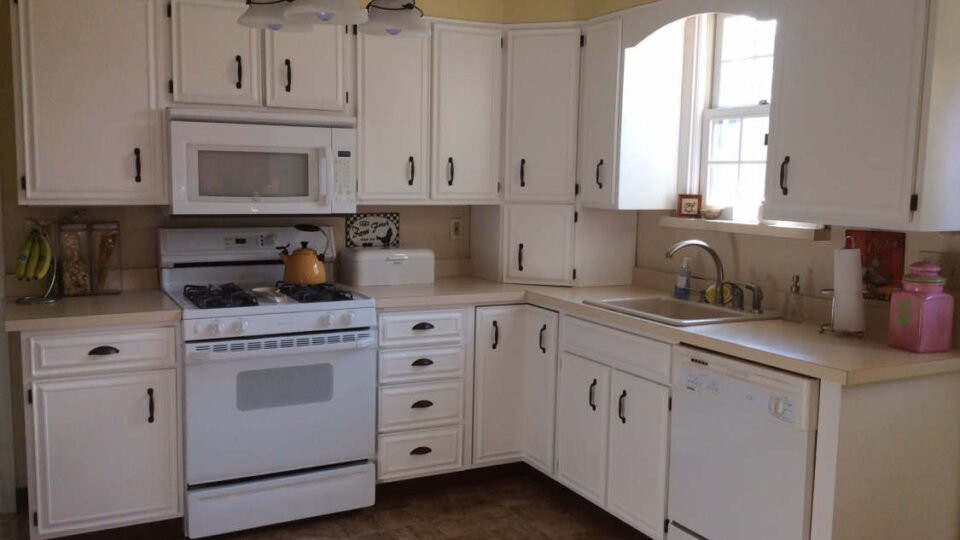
<point>284,387</point>
<point>232,174</point>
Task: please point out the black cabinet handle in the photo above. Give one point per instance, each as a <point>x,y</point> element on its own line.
<point>520,257</point>
<point>150,405</point>
<point>523,172</point>
<point>496,334</point>
<point>413,171</point>
<point>422,362</point>
<point>622,407</point>
<point>783,175</point>
<point>239,60</point>
<point>591,395</point>
<point>136,157</point>
<point>599,183</point>
<point>451,171</point>
<point>103,350</point>
<point>422,404</point>
<point>423,326</point>
<point>289,74</point>
<point>421,451</point>
<point>543,348</point>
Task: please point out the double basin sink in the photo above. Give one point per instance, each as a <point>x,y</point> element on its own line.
<point>676,312</point>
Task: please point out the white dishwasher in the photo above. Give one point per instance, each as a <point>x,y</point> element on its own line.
<point>742,442</point>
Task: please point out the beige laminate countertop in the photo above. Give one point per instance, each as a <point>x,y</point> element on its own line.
<point>798,348</point>
<point>129,307</point>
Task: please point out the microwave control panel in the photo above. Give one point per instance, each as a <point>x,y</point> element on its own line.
<point>344,171</point>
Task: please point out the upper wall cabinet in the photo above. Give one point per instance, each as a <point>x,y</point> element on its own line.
<point>305,70</point>
<point>467,89</point>
<point>215,60</point>
<point>393,114</point>
<point>90,124</point>
<point>543,73</point>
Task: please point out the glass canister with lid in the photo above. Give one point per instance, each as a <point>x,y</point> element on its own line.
<point>921,315</point>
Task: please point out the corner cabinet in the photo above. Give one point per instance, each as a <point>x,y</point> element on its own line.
<point>90,126</point>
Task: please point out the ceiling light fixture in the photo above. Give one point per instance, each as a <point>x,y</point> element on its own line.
<point>269,14</point>
<point>394,18</point>
<point>326,12</point>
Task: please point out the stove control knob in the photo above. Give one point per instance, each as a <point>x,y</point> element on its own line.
<point>326,320</point>
<point>348,318</point>
<point>240,326</point>
<point>221,327</point>
<point>270,240</point>
<point>211,329</point>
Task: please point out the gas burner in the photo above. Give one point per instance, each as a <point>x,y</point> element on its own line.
<point>306,294</point>
<point>224,296</point>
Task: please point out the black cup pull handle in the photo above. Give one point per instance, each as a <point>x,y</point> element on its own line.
<point>621,409</point>
<point>783,175</point>
<point>599,183</point>
<point>543,348</point>
<point>150,405</point>
<point>136,157</point>
<point>451,171</point>
<point>422,362</point>
<point>496,334</point>
<point>239,60</point>
<point>523,173</point>
<point>591,395</point>
<point>103,350</point>
<point>289,86</point>
<point>422,404</point>
<point>421,451</point>
<point>423,326</point>
<point>413,171</point>
<point>520,257</point>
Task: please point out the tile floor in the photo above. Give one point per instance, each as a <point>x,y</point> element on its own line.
<point>504,503</point>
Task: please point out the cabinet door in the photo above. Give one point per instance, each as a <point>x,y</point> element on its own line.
<point>91,125</point>
<point>304,70</point>
<point>394,118</point>
<point>539,244</point>
<point>582,426</point>
<point>846,105</point>
<point>639,431</point>
<point>499,361</point>
<point>539,355</point>
<point>600,75</point>
<point>215,60</point>
<point>104,452</point>
<point>467,90</point>
<point>543,81</point>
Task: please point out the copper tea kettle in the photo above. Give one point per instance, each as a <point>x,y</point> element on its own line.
<point>303,267</point>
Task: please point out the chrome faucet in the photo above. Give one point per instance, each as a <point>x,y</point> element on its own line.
<point>757,297</point>
<point>718,296</point>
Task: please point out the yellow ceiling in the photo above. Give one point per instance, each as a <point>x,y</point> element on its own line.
<point>523,11</point>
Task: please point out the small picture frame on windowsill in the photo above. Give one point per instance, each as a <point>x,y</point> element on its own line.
<point>689,206</point>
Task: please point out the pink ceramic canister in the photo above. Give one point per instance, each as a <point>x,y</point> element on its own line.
<point>921,315</point>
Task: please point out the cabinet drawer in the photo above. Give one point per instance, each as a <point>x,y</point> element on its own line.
<point>421,364</point>
<point>420,405</point>
<point>419,453</point>
<point>94,352</point>
<point>421,328</point>
<point>628,352</point>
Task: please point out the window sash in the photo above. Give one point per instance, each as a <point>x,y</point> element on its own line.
<point>709,115</point>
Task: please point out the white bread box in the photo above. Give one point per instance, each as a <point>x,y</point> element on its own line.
<point>379,266</point>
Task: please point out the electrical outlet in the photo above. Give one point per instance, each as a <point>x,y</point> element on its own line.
<point>456,229</point>
<point>949,266</point>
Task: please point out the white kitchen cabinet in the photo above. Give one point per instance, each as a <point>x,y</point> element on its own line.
<point>215,60</point>
<point>600,76</point>
<point>105,452</point>
<point>543,74</point>
<point>583,426</point>
<point>393,119</point>
<point>539,357</point>
<point>305,70</point>
<point>539,244</point>
<point>89,121</point>
<point>499,383</point>
<point>639,431</point>
<point>467,90</point>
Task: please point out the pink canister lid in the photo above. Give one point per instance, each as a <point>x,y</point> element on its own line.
<point>924,272</point>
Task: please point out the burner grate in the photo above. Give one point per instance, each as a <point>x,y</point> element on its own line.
<point>224,296</point>
<point>306,294</point>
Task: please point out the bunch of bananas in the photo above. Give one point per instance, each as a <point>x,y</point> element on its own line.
<point>35,258</point>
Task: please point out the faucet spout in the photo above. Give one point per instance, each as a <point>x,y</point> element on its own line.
<point>718,297</point>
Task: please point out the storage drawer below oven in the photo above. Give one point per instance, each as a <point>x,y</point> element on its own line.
<point>419,453</point>
<point>409,406</point>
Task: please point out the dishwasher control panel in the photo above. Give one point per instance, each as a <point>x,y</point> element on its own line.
<point>757,399</point>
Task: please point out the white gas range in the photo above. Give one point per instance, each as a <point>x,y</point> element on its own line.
<point>279,381</point>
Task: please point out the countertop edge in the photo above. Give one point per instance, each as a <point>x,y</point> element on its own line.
<point>87,321</point>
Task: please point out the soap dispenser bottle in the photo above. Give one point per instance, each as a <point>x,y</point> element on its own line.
<point>793,306</point>
<point>681,289</point>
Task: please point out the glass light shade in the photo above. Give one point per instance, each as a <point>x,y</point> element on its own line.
<point>404,22</point>
<point>270,17</point>
<point>325,12</point>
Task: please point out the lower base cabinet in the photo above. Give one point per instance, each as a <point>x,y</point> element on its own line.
<point>582,426</point>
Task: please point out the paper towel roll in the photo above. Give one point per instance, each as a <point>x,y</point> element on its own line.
<point>848,292</point>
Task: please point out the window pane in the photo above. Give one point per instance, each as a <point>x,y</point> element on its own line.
<point>722,184</point>
<point>724,139</point>
<point>745,37</point>
<point>745,73</point>
<point>762,79</point>
<point>766,33</point>
<point>749,192</point>
<point>745,82</point>
<point>754,131</point>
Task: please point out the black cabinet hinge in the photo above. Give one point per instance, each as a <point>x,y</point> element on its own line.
<point>36,519</point>
<point>170,86</point>
<point>670,404</point>
<point>576,217</point>
<point>348,97</point>
<point>914,202</point>
<point>583,40</point>
<point>666,525</point>
<point>574,274</point>
<point>30,396</point>
<point>169,10</point>
<point>498,187</point>
<point>576,189</point>
<point>354,29</point>
<point>23,183</point>
<point>501,42</point>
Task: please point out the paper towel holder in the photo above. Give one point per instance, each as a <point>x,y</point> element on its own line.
<point>828,326</point>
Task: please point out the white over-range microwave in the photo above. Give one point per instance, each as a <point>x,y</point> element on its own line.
<point>221,168</point>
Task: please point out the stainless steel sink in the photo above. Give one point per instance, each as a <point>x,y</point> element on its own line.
<point>677,312</point>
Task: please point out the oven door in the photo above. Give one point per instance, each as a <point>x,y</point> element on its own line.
<point>268,405</point>
<point>219,168</point>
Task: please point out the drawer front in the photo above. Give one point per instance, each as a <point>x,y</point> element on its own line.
<point>419,453</point>
<point>94,352</point>
<point>421,364</point>
<point>410,406</point>
<point>634,354</point>
<point>412,328</point>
